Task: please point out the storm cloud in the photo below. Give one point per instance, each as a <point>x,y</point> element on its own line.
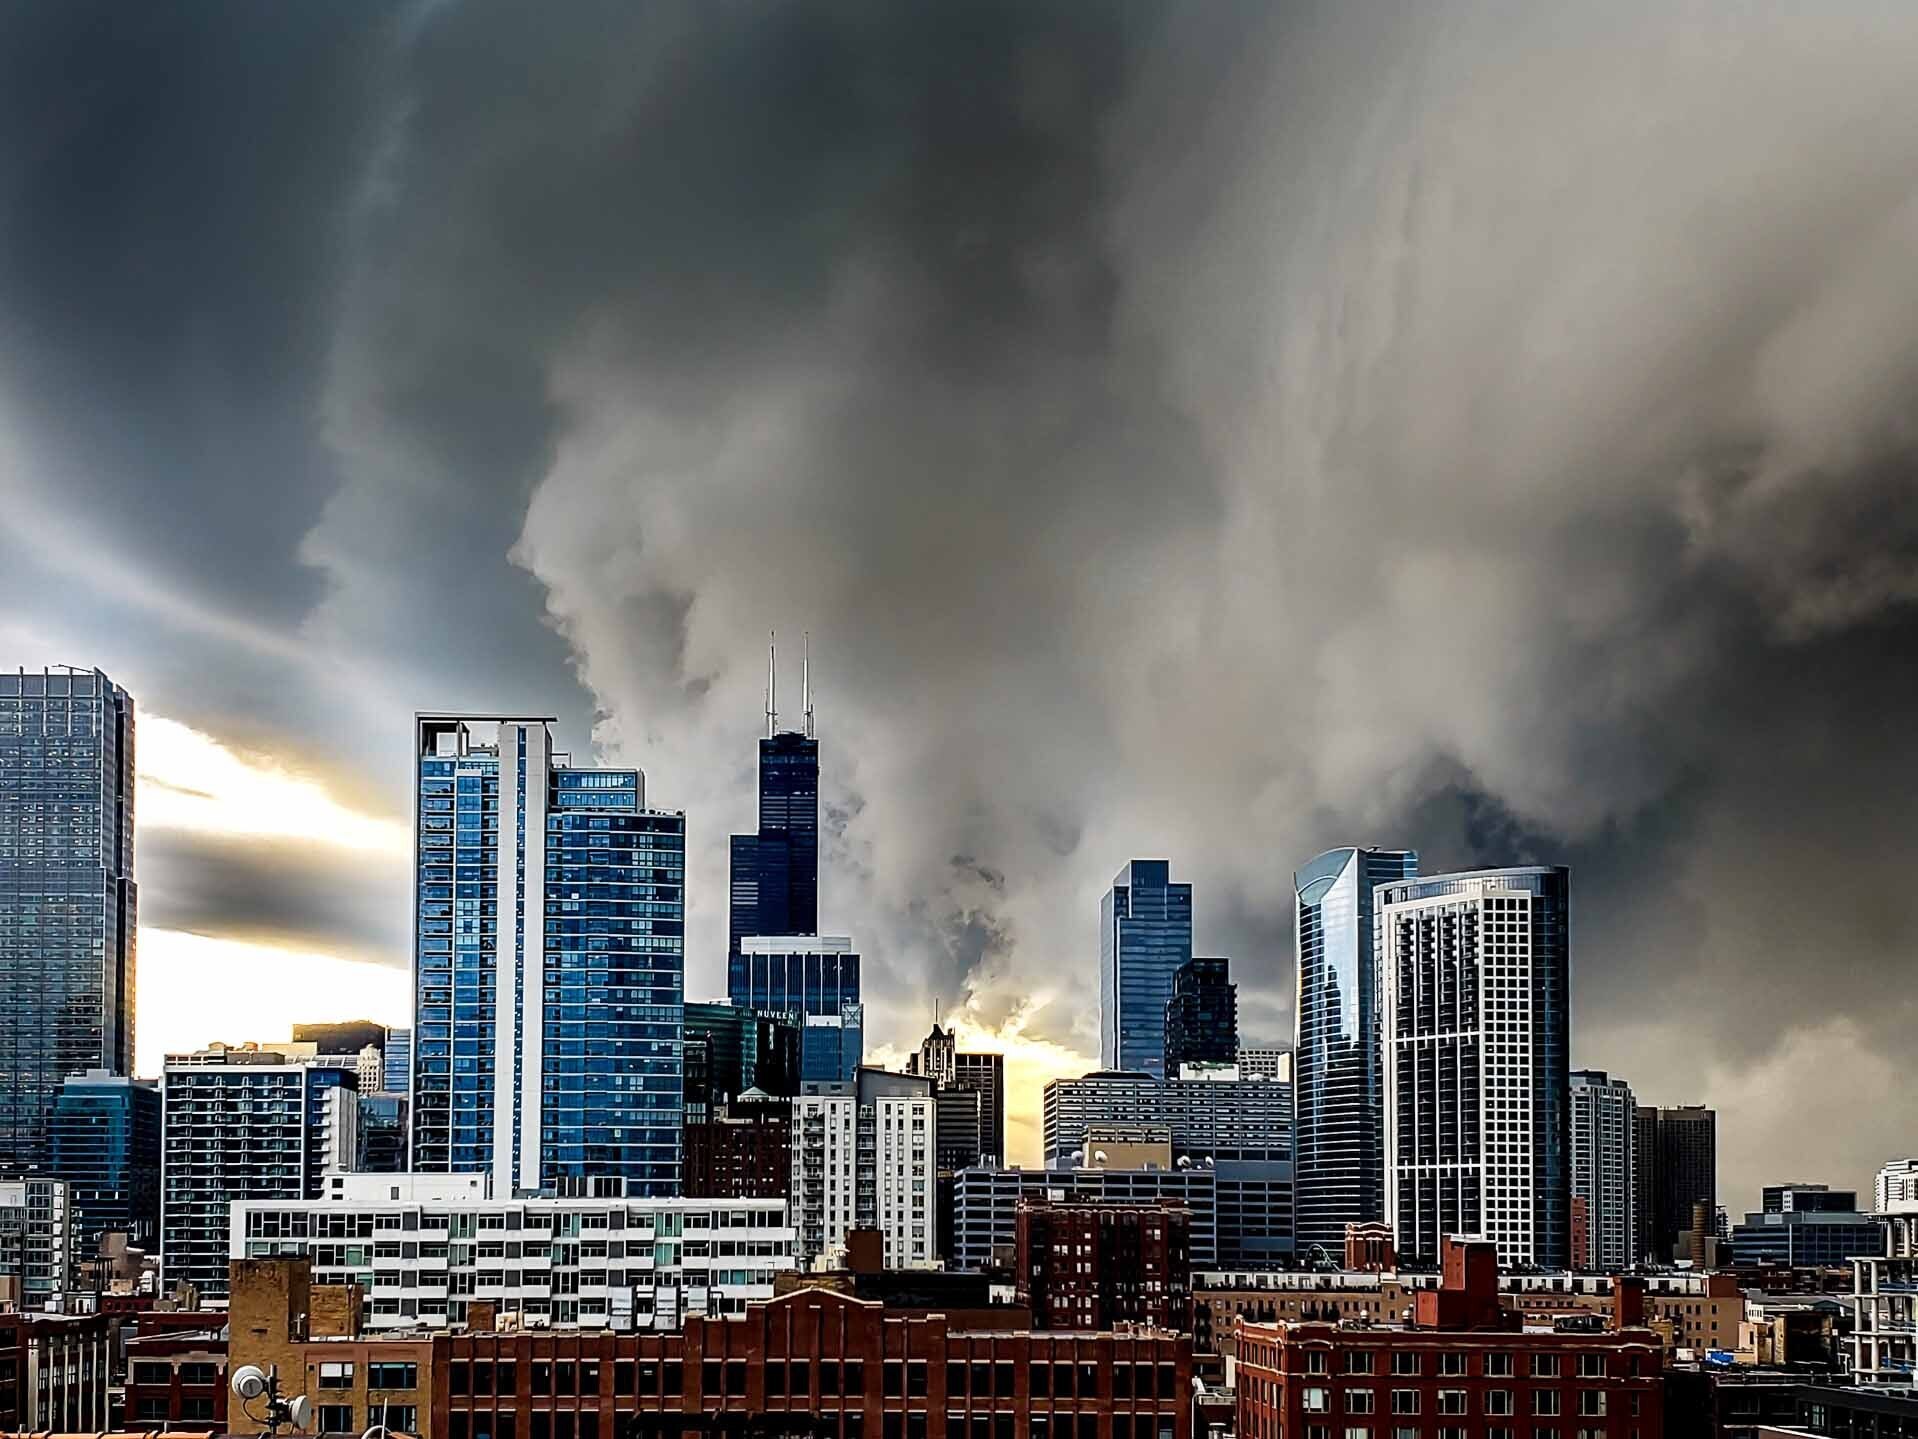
<point>1208,431</point>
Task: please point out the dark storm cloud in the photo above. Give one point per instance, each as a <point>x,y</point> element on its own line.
<point>1204,431</point>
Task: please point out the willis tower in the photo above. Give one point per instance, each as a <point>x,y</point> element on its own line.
<point>775,873</point>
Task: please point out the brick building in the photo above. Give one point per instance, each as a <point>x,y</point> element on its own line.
<point>816,1362</point>
<point>177,1378</point>
<point>740,1151</point>
<point>1097,1266</point>
<point>53,1372</point>
<point>1462,1369</point>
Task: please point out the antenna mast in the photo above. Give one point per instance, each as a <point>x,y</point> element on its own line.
<point>772,683</point>
<point>805,684</point>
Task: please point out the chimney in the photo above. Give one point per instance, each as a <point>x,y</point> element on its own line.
<point>1467,1296</point>
<point>865,1251</point>
<point>1628,1302</point>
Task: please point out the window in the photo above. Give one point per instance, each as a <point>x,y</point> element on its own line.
<point>1358,1361</point>
<point>1498,1366</point>
<point>1544,1366</point>
<point>1545,1401</point>
<point>955,1379</point>
<point>1591,1402</point>
<point>1405,1401</point>
<point>395,1376</point>
<point>1315,1400</point>
<point>1359,1401</point>
<point>1315,1361</point>
<point>199,1373</point>
<point>150,1371</point>
<point>1498,1401</point>
<point>151,1409</point>
<point>335,1374</point>
<point>1451,1364</point>
<point>894,1383</point>
<point>1591,1366</point>
<point>1451,1401</point>
<point>337,1419</point>
<point>1404,1362</point>
<point>405,1419</point>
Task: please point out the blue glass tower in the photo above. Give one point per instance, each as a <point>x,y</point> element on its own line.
<point>549,963</point>
<point>1145,937</point>
<point>775,872</point>
<point>814,978</point>
<point>1340,1129</point>
<point>104,1140</point>
<point>67,897</point>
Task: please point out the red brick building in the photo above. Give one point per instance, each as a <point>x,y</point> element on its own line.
<point>176,1379</point>
<point>1464,1369</point>
<point>744,1152</point>
<point>1098,1266</point>
<point>815,1362</point>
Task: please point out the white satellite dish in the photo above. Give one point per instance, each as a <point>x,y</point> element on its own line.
<point>249,1381</point>
<point>299,1411</point>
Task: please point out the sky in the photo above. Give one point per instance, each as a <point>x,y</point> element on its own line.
<point>1207,431</point>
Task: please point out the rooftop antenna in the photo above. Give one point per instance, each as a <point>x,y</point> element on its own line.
<point>805,684</point>
<point>772,683</point>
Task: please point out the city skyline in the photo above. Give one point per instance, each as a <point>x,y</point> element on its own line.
<point>1532,489</point>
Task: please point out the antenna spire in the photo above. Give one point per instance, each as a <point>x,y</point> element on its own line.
<point>772,683</point>
<point>805,684</point>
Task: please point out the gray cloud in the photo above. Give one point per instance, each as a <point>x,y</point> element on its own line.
<point>1218,432</point>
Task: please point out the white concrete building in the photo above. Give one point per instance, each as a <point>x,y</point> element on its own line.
<point>36,1239</point>
<point>1884,1341</point>
<point>424,1246</point>
<point>1602,1167</point>
<point>862,1157</point>
<point>1897,1183</point>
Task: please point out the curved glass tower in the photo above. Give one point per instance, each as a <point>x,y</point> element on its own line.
<point>1339,1133</point>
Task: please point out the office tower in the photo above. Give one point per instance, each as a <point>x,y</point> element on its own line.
<point>986,1206</point>
<point>1474,974</point>
<point>1104,1266</point>
<point>1202,1016</point>
<point>103,1139</point>
<point>731,1049</point>
<point>862,1157</point>
<point>940,1059</point>
<point>1145,934</point>
<point>341,1037</point>
<point>814,978</point>
<point>775,872</point>
<point>1644,1184</point>
<point>1602,1173</point>
<point>1685,1161</point>
<point>1807,1225</point>
<point>398,1075</point>
<point>701,1256</point>
<point>67,897</point>
<point>1268,1063</point>
<point>239,1124</point>
<point>549,961</point>
<point>1207,1119</point>
<point>36,1239</point>
<point>1896,1184</point>
<point>1337,1057</point>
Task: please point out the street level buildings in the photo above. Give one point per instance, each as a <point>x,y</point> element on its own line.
<point>68,900</point>
<point>1337,1049</point>
<point>427,1248</point>
<point>1145,935</point>
<point>1602,1171</point>
<point>241,1124</point>
<point>1474,978</point>
<point>548,962</point>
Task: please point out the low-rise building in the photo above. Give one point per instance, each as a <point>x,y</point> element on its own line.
<point>1463,1365</point>
<point>426,1247</point>
<point>1100,1266</point>
<point>54,1371</point>
<point>177,1380</point>
<point>986,1206</point>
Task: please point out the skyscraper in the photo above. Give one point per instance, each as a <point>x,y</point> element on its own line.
<point>949,1067</point>
<point>548,962</point>
<point>103,1139</point>
<point>1602,1169</point>
<point>1145,934</point>
<point>1202,1016</point>
<point>1337,1056</point>
<point>67,896</point>
<point>1687,1173</point>
<point>815,979</point>
<point>1475,1012</point>
<point>775,872</point>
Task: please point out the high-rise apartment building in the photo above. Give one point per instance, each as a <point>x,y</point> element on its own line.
<point>396,1077</point>
<point>548,962</point>
<point>242,1124</point>
<point>1603,1132</point>
<point>1475,1013</point>
<point>862,1157</point>
<point>1679,1146</point>
<point>1337,1056</point>
<point>37,1253</point>
<point>68,903</point>
<point>1202,1016</point>
<point>775,871</point>
<point>986,1206</point>
<point>1145,935</point>
<point>103,1139</point>
<point>1896,1184</point>
<point>815,979</point>
<point>1644,1183</point>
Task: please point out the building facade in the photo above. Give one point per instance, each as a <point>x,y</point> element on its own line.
<point>1603,1133</point>
<point>54,1372</point>
<point>1806,1225</point>
<point>949,1067</point>
<point>1267,1062</point>
<point>814,979</point>
<point>1145,935</point>
<point>824,1364</point>
<point>240,1124</point>
<point>986,1206</point>
<point>548,962</point>
<point>1337,1054</point>
<point>730,1049</point>
<point>426,1248</point>
<point>68,901</point>
<point>103,1139</point>
<point>775,872</point>
<point>177,1380</point>
<point>37,1252</point>
<point>741,1150</point>
<point>1896,1184</point>
<point>1219,1118</point>
<point>1684,1159</point>
<point>1475,1012</point>
<point>863,1158</point>
<point>1202,1016</point>
<point>1101,1266</point>
<point>1884,1342</point>
<point>398,1056</point>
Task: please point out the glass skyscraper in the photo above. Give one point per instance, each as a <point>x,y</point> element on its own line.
<point>548,963</point>
<point>1475,1009</point>
<point>1145,936</point>
<point>775,873</point>
<point>104,1140</point>
<point>67,897</point>
<point>1202,1016</point>
<point>814,978</point>
<point>1339,1130</point>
